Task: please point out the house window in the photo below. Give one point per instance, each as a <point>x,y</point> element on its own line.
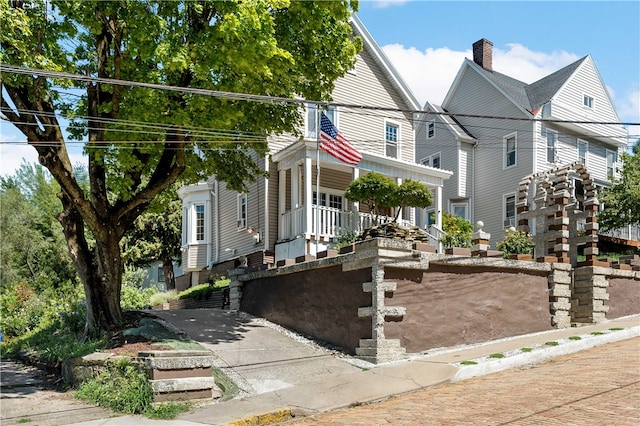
<point>391,131</point>
<point>323,199</point>
<point>459,210</point>
<point>587,101</point>
<point>161,274</point>
<point>199,209</point>
<point>335,201</point>
<point>432,161</point>
<point>583,148</point>
<point>312,119</point>
<point>242,211</point>
<point>509,210</point>
<point>431,129</point>
<point>509,150</point>
<point>552,139</point>
<point>612,158</point>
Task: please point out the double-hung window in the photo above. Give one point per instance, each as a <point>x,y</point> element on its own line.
<point>312,119</point>
<point>509,210</point>
<point>509,150</point>
<point>552,141</point>
<point>588,101</point>
<point>242,211</point>
<point>432,161</point>
<point>583,148</point>
<point>612,158</point>
<point>391,138</point>
<point>431,129</point>
<point>199,213</point>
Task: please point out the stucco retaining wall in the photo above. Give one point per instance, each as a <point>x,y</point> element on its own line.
<point>448,306</point>
<point>322,303</point>
<point>624,297</point>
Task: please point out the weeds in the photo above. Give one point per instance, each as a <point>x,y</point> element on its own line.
<point>526,350</point>
<point>468,363</point>
<point>498,355</point>
<point>552,343</point>
<point>575,338</point>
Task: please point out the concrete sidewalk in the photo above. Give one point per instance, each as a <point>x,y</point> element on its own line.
<point>317,382</point>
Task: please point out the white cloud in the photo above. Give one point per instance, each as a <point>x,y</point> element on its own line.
<point>382,4</point>
<point>429,74</point>
<point>12,156</point>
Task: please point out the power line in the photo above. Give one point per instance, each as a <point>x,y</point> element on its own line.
<point>271,99</point>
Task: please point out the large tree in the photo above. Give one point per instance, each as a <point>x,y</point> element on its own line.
<point>138,139</point>
<point>622,200</point>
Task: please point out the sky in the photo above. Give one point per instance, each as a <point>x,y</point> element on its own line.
<point>427,42</point>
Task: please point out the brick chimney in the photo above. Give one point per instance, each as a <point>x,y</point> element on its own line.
<point>483,53</point>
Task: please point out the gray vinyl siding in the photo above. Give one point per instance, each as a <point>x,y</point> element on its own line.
<point>365,129</point>
<point>474,95</point>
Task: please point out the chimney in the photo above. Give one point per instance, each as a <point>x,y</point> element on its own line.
<point>483,53</point>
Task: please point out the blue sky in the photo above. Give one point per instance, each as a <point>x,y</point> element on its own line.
<point>428,40</point>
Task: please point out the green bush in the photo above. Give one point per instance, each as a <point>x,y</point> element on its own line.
<point>124,388</point>
<point>515,242</point>
<point>458,231</point>
<point>346,238</point>
<point>132,298</point>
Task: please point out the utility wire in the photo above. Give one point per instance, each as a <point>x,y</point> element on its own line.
<point>270,99</point>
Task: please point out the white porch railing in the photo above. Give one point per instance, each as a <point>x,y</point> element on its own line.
<point>333,222</point>
<point>629,232</point>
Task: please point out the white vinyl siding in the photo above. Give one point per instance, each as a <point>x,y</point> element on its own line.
<point>365,131</point>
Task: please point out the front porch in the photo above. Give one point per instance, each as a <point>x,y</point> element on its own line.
<point>312,210</point>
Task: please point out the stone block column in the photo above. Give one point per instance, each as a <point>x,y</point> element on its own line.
<point>480,240</point>
<point>559,281</point>
<point>590,292</point>
<point>379,349</point>
<point>235,288</point>
<point>561,217</point>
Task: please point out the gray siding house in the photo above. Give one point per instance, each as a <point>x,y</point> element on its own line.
<point>287,215</point>
<point>533,128</point>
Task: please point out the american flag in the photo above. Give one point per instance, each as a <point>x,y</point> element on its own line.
<point>334,144</point>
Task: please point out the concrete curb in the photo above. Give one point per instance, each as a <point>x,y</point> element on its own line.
<point>587,341</point>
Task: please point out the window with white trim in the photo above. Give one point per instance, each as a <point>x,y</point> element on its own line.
<point>552,140</point>
<point>460,210</point>
<point>432,161</point>
<point>242,211</point>
<point>509,210</point>
<point>509,150</point>
<point>588,101</point>
<point>199,222</point>
<point>391,138</point>
<point>431,129</point>
<point>583,149</point>
<point>311,121</point>
<point>612,158</point>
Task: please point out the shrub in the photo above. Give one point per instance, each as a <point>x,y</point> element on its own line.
<point>515,242</point>
<point>458,231</point>
<point>348,237</point>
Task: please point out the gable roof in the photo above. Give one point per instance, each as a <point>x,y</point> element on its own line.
<point>394,77</point>
<point>534,95</point>
<point>450,121</point>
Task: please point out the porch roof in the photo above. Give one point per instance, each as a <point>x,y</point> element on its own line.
<point>298,151</point>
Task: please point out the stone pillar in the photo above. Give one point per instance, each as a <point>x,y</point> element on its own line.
<point>591,232</point>
<point>379,349</point>
<point>590,284</point>
<point>480,241</point>
<point>559,281</point>
<point>235,288</point>
<point>561,217</point>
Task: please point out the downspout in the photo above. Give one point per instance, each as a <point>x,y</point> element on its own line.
<point>216,223</point>
<point>265,231</point>
<point>473,183</point>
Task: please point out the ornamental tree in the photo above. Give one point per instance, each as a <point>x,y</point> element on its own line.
<point>378,192</point>
<point>622,200</point>
<point>71,71</point>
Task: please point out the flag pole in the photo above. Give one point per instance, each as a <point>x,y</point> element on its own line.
<point>318,120</point>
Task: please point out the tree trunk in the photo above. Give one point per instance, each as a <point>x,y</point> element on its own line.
<point>100,272</point>
<point>169,275</point>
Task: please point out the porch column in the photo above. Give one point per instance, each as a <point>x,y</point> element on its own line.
<point>355,209</point>
<point>295,189</point>
<point>399,213</point>
<point>282,200</point>
<point>439,214</point>
<point>308,198</point>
